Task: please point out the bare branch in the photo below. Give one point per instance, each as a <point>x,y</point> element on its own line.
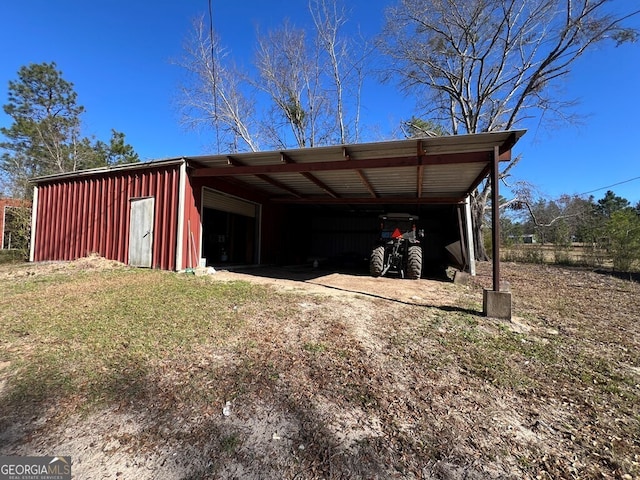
<point>486,65</point>
<point>214,94</point>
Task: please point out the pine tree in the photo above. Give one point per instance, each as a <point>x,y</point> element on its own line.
<point>45,136</point>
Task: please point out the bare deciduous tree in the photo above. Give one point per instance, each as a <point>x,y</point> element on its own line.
<point>347,69</point>
<point>311,80</point>
<point>214,94</point>
<point>487,65</point>
<point>290,75</point>
<point>545,215</point>
<point>314,81</point>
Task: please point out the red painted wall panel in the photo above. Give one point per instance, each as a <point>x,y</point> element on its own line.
<point>90,214</point>
<point>191,234</point>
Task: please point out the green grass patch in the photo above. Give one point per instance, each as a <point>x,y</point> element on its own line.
<point>11,256</point>
<point>415,379</point>
<point>492,353</point>
<point>314,347</point>
<point>96,335</point>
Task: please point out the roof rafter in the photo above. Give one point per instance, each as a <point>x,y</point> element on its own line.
<point>420,175</point>
<point>286,160</point>
<point>365,181</point>
<point>363,178</point>
<point>353,164</point>
<point>483,174</point>
<point>237,163</point>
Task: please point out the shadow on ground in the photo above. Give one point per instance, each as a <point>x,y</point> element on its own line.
<point>361,280</point>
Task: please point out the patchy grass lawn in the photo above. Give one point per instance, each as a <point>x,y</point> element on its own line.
<point>128,372</point>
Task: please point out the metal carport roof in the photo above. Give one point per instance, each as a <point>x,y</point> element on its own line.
<point>420,171</point>
<point>425,170</point>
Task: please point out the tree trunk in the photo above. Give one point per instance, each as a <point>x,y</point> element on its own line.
<point>478,205</point>
<point>479,199</point>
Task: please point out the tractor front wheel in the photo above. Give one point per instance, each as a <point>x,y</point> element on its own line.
<point>376,263</point>
<point>414,262</point>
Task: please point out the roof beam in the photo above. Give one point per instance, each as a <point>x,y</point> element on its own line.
<point>419,181</point>
<point>237,163</point>
<point>507,145</point>
<point>505,156</point>
<point>279,185</point>
<point>411,161</point>
<point>365,181</point>
<point>368,200</point>
<point>288,161</point>
<point>483,174</point>
<point>363,178</point>
<point>284,158</point>
<point>320,184</point>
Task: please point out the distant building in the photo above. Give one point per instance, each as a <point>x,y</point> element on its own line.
<point>529,238</point>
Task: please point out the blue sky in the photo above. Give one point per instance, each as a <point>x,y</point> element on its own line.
<point>118,54</point>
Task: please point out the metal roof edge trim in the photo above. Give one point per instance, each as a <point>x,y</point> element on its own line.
<point>515,135</point>
<point>108,169</point>
<point>504,135</point>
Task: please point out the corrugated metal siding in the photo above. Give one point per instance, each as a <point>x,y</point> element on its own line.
<point>90,214</point>
<point>336,236</point>
<point>191,228</point>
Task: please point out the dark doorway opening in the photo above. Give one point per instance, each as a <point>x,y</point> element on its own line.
<point>228,238</point>
<point>342,237</point>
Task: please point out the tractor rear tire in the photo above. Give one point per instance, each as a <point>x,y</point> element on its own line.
<point>376,263</point>
<point>414,262</point>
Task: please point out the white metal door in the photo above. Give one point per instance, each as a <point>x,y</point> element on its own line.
<point>141,232</point>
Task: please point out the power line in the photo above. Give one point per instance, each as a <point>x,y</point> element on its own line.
<point>609,186</point>
<point>215,77</point>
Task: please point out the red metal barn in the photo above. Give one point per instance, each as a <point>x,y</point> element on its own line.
<point>267,207</point>
<point>88,212</point>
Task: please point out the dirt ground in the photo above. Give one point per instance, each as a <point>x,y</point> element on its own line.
<point>382,378</point>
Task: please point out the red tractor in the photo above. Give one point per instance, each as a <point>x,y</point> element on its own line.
<point>398,250</point>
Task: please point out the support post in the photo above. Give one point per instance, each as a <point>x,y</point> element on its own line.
<point>182,180</point>
<point>34,216</point>
<point>463,240</point>
<point>495,219</point>
<point>497,304</point>
<point>469,233</point>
